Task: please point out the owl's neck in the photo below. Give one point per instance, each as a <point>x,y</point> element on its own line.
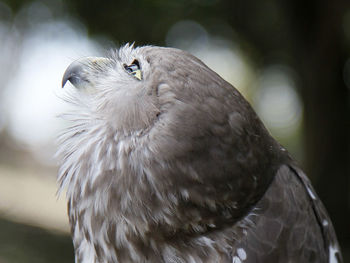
<point>92,153</point>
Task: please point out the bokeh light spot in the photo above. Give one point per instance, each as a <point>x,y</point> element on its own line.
<point>277,102</point>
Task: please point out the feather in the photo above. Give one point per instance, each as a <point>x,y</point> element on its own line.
<point>177,167</point>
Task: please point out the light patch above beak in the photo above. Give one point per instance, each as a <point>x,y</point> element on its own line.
<point>134,69</point>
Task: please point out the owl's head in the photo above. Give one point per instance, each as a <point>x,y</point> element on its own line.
<point>133,87</point>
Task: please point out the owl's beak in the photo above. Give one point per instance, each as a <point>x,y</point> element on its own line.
<point>76,72</point>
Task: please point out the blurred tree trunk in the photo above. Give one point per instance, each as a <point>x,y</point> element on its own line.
<point>320,50</point>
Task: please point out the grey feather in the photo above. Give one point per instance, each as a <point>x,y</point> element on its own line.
<point>177,167</point>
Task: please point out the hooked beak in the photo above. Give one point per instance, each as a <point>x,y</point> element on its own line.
<point>75,71</point>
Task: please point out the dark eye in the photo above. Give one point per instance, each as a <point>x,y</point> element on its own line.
<point>132,67</point>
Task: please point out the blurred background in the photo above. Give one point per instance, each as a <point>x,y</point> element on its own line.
<point>290,59</point>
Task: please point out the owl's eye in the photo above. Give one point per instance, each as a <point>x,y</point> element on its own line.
<point>134,69</point>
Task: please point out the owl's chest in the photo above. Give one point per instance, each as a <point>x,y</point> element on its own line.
<point>104,238</point>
